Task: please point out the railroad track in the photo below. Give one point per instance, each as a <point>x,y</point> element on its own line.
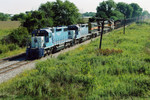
<point>2,61</point>
<point>13,66</point>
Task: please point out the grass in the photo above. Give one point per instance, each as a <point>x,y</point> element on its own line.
<point>86,20</point>
<point>4,32</point>
<point>12,53</point>
<point>84,73</point>
<point>6,25</point>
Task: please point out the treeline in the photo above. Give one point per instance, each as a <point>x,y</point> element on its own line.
<point>89,14</point>
<point>116,11</point>
<point>4,17</point>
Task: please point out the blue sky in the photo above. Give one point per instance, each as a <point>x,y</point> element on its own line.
<point>18,6</point>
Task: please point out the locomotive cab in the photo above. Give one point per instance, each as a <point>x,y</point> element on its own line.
<point>40,40</point>
<point>73,31</point>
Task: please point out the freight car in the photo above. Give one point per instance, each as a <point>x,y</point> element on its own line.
<point>47,40</point>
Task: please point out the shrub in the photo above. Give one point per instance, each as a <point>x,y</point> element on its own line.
<point>12,47</point>
<point>107,52</point>
<point>3,49</point>
<point>18,36</point>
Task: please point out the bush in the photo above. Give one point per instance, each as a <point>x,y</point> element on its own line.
<point>18,36</point>
<point>3,49</point>
<point>12,47</point>
<point>107,52</point>
<point>9,47</point>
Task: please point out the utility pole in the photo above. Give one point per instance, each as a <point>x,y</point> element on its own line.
<point>124,24</point>
<point>101,37</point>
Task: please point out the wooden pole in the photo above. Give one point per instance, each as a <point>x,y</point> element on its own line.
<point>101,37</point>
<point>124,24</point>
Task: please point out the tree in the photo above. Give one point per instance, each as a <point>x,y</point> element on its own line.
<point>65,13</point>
<point>18,17</point>
<point>62,13</point>
<point>145,13</point>
<point>117,15</point>
<point>137,10</point>
<point>105,9</point>
<point>126,9</point>
<point>4,17</point>
<point>46,9</point>
<point>35,20</point>
<point>52,14</point>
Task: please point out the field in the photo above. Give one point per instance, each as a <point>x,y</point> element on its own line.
<point>7,26</point>
<point>86,20</point>
<point>121,70</point>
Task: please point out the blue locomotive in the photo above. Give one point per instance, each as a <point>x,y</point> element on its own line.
<point>47,40</point>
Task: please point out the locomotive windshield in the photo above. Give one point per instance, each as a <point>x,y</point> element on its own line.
<point>73,27</point>
<point>40,33</point>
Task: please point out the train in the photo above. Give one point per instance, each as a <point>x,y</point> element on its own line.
<point>47,40</point>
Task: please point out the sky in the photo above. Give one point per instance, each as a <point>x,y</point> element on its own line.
<point>21,6</point>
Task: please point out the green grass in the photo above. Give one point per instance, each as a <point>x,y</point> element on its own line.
<point>12,53</point>
<point>4,32</point>
<point>6,25</point>
<point>85,73</point>
<point>86,20</point>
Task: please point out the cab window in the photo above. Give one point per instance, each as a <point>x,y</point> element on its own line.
<point>41,33</point>
<point>82,25</point>
<point>52,30</point>
<point>65,29</point>
<point>58,30</point>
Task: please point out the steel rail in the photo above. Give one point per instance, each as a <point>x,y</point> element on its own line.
<point>13,66</point>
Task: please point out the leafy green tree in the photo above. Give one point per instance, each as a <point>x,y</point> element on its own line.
<point>105,9</point>
<point>35,20</point>
<point>18,17</point>
<point>137,10</point>
<point>117,15</point>
<point>65,13</point>
<point>4,17</point>
<point>145,13</point>
<point>62,13</point>
<point>46,9</point>
<point>126,9</point>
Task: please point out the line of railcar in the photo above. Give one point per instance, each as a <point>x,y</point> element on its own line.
<point>51,39</point>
